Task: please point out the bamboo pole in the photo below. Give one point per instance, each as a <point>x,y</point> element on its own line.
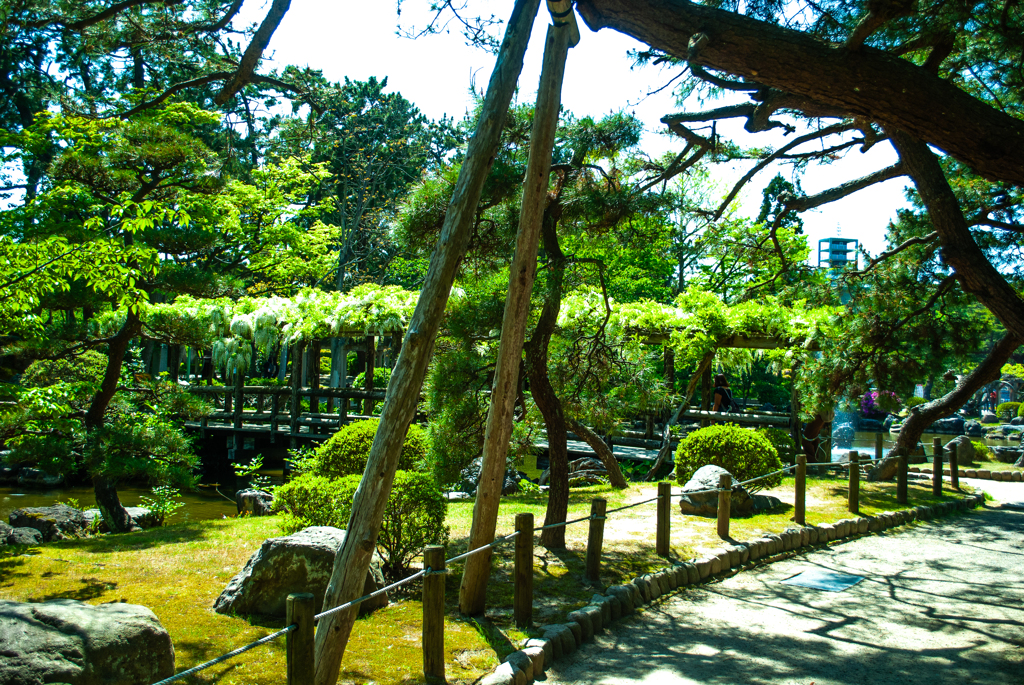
<point>353,558</point>
<point>498,428</point>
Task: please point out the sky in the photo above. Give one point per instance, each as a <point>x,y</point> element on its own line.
<point>436,72</point>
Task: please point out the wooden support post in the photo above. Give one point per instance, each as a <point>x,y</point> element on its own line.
<point>901,479</point>
<point>596,539</point>
<point>800,490</point>
<point>368,374</point>
<point>275,409</point>
<point>313,375</point>
<point>954,466</point>
<point>433,614</point>
<point>299,609</point>
<point>663,535</point>
<point>522,602</point>
<point>236,422</point>
<point>879,446</point>
<point>295,407</point>
<point>853,497</point>
<point>724,504</point>
<point>937,467</point>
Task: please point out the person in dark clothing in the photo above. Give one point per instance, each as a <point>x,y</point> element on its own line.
<point>723,395</point>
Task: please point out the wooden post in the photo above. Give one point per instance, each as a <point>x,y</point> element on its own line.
<point>901,479</point>
<point>853,497</point>
<point>504,390</point>
<point>295,407</point>
<point>299,609</point>
<point>433,615</point>
<point>879,446</point>
<point>800,490</point>
<point>937,467</point>
<point>313,374</point>
<point>368,374</point>
<point>236,423</point>
<point>663,534</point>
<point>596,539</point>
<point>724,503</point>
<point>522,602</point>
<point>275,409</point>
<point>351,562</point>
<point>954,466</point>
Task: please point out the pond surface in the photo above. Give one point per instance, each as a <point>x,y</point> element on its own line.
<point>204,504</point>
<point>864,443</point>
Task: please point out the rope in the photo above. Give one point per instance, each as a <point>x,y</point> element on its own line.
<point>362,599</point>
<point>224,657</point>
<point>566,523</point>
<point>630,506</point>
<point>497,542</point>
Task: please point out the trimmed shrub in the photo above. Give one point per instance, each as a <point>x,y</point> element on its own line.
<point>346,452</point>
<point>381,378</point>
<point>87,367</point>
<point>914,401</point>
<point>1007,410</point>
<point>1020,411</point>
<point>742,452</point>
<point>782,441</point>
<point>413,518</point>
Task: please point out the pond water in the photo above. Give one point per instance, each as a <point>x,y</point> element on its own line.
<point>864,443</point>
<point>204,504</point>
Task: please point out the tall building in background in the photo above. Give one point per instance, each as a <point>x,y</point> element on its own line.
<point>835,254</point>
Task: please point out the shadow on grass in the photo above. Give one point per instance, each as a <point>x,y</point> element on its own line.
<point>145,539</point>
<point>91,589</point>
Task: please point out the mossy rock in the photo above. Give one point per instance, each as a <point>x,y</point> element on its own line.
<point>346,452</point>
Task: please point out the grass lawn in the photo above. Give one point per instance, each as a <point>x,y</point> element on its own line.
<point>179,570</point>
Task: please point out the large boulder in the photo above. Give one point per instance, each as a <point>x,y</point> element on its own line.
<point>870,425</point>
<point>54,523</point>
<point>966,454</point>
<point>1017,420</point>
<point>67,641</point>
<point>300,562</point>
<point>951,424</point>
<point>252,502</point>
<point>695,502</point>
<point>141,518</point>
<point>24,536</point>
<point>989,417</point>
<point>972,429</point>
<point>1007,455</point>
<point>5,530</point>
<point>34,478</point>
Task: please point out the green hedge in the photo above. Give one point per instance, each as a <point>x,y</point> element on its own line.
<point>1008,410</point>
<point>413,518</point>
<point>346,452</point>
<point>742,452</point>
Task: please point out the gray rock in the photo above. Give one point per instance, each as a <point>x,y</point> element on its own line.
<point>301,562</point>
<point>9,474</point>
<point>546,646</point>
<point>5,530</point>
<point>973,429</point>
<point>842,436</point>
<point>695,502</point>
<point>34,478</point>
<point>1017,420</point>
<point>582,619</point>
<point>54,523</point>
<point>950,424</point>
<point>141,517</point>
<point>24,536</point>
<point>454,496</point>
<point>521,661</point>
<point>66,641</point>
<point>1007,455</point>
<point>252,502</point>
<point>965,452</point>
<point>988,417</point>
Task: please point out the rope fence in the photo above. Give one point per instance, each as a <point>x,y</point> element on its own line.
<point>523,601</point>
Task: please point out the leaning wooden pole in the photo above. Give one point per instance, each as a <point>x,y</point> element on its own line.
<point>353,559</point>
<point>513,325</point>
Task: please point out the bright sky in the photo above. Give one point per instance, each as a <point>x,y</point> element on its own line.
<point>358,40</point>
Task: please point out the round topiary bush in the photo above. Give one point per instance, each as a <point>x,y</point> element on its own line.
<point>413,517</point>
<point>346,452</point>
<point>1007,410</point>
<point>87,367</point>
<point>742,452</point>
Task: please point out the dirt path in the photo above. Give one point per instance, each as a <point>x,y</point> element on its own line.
<point>941,602</point>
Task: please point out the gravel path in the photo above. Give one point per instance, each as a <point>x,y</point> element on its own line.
<point>941,602</point>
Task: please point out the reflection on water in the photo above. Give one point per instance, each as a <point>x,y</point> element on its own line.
<point>204,504</point>
<point>864,443</point>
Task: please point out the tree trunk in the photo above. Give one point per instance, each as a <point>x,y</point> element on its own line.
<point>666,436</point>
<point>513,328</point>
<point>603,452</point>
<point>353,559</point>
<point>107,501</point>
<point>827,80</point>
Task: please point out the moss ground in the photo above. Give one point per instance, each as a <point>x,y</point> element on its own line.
<point>179,570</point>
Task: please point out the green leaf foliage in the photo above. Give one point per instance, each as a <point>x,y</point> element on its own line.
<point>413,517</point>
<point>346,452</point>
<point>743,452</point>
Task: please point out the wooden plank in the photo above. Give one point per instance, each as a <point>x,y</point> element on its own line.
<point>755,419</point>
